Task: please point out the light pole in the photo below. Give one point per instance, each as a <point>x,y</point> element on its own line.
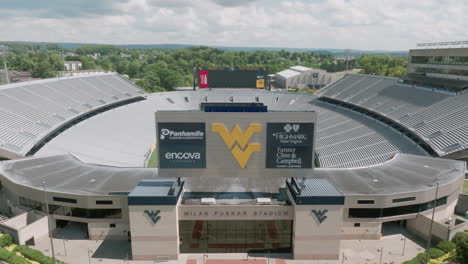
<point>89,255</point>
<point>64,247</point>
<point>5,64</point>
<point>48,223</point>
<point>381,253</point>
<point>404,245</point>
<point>404,237</point>
<point>434,205</point>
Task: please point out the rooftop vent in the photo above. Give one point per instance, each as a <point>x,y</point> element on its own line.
<point>59,117</point>
<point>73,110</point>
<point>208,201</point>
<point>435,134</point>
<point>420,124</point>
<point>263,200</point>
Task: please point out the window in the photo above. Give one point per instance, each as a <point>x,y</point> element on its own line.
<point>85,213</point>
<point>64,200</point>
<point>365,201</point>
<point>104,202</point>
<point>394,211</point>
<point>30,203</point>
<point>447,60</point>
<point>112,225</point>
<point>404,199</point>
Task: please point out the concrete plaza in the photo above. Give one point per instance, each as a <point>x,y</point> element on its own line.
<point>77,250</point>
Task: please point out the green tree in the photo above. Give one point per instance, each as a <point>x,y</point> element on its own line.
<point>461,241</point>
<point>150,83</point>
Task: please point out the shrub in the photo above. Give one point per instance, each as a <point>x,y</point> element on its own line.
<point>6,240</point>
<point>435,253</point>
<point>5,255</point>
<point>409,262</point>
<point>446,246</point>
<point>420,258</point>
<point>35,255</point>
<point>461,241</point>
<point>18,260</point>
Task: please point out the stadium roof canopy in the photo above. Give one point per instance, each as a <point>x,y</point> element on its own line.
<point>66,174</point>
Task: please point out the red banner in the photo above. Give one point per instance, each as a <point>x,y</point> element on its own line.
<point>203,79</point>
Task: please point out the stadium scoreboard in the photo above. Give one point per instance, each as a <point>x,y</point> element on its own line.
<point>232,77</point>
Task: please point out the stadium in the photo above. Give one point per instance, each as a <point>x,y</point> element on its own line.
<point>240,170</point>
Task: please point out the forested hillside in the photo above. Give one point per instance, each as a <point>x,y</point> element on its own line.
<point>164,69</point>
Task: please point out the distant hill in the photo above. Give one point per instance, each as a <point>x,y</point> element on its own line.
<point>335,52</point>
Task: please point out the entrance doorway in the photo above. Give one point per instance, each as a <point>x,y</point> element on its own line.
<point>235,236</point>
<point>394,227</point>
<point>71,230</point>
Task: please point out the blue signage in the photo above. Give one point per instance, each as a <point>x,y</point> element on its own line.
<point>153,215</point>
<point>320,215</point>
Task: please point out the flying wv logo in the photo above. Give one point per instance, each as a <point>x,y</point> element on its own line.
<point>241,151</point>
<point>320,214</point>
<point>153,215</point>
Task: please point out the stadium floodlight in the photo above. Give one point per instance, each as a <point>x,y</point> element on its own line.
<point>4,48</point>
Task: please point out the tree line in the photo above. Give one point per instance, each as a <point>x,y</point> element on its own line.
<point>157,69</point>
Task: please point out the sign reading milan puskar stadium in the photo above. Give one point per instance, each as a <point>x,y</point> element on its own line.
<point>289,145</point>
<point>182,145</point>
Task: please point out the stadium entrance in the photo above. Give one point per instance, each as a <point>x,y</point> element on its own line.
<point>226,236</point>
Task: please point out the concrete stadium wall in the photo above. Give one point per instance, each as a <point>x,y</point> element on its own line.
<point>366,230</point>
<point>5,154</point>
<point>440,231</point>
<point>26,226</point>
<point>101,231</point>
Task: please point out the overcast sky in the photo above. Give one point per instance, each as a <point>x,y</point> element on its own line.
<point>353,24</point>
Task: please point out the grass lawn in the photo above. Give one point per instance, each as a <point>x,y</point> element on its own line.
<point>153,160</point>
<point>465,187</point>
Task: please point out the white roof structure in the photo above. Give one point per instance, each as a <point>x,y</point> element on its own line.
<point>300,68</point>
<point>288,73</point>
<point>402,174</point>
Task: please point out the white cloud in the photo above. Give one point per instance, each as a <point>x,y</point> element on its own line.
<point>356,24</point>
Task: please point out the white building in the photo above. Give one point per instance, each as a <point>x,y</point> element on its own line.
<point>73,65</point>
<point>302,77</point>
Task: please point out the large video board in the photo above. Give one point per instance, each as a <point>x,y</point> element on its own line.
<point>182,145</point>
<point>290,145</point>
<point>232,77</point>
